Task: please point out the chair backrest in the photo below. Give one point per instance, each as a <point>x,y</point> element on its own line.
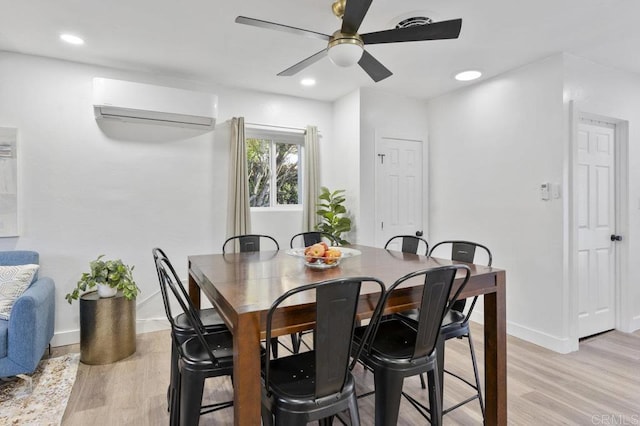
<point>170,285</point>
<point>335,321</point>
<point>463,251</point>
<point>158,255</point>
<point>309,238</point>
<point>19,257</point>
<point>409,244</point>
<point>437,285</point>
<point>247,243</point>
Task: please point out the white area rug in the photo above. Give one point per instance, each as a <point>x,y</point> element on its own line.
<point>45,403</point>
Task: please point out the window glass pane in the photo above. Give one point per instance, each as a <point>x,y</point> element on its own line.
<point>287,173</point>
<point>259,165</point>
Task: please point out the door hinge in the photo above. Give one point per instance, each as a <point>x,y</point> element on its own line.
<point>381,225</point>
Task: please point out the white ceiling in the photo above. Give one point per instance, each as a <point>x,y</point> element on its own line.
<point>198,39</point>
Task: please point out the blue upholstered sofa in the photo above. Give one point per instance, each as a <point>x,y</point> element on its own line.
<point>27,333</point>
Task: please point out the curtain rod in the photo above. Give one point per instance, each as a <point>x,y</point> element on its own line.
<point>276,127</point>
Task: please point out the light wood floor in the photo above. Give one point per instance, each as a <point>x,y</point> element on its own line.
<point>599,384</point>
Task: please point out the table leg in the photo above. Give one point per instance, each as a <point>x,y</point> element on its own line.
<point>495,353</point>
<point>246,371</point>
<point>194,292</point>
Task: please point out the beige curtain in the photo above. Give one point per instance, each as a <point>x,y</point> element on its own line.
<point>311,179</point>
<point>239,215</point>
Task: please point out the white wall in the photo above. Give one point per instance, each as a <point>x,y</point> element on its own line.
<point>491,145</point>
<point>611,93</point>
<point>342,169</point>
<point>389,115</point>
<point>120,189</point>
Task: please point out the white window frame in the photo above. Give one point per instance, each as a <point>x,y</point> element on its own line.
<point>279,136</point>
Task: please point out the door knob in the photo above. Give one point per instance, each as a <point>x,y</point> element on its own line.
<point>616,237</point>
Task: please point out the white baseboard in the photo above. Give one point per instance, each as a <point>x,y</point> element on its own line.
<point>64,338</point>
<point>143,325</point>
<point>634,324</point>
<point>553,343</point>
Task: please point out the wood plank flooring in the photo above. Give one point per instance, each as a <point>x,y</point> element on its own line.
<point>599,384</point>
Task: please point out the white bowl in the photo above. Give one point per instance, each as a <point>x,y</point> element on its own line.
<point>321,262</point>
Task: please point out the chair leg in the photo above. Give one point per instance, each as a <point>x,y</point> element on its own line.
<point>286,418</point>
<point>174,410</point>
<point>388,391</point>
<point>422,383</point>
<point>435,405</point>
<point>267,416</point>
<point>174,376</point>
<point>477,376</point>
<point>191,387</point>
<point>354,414</point>
<point>274,347</point>
<point>295,342</point>
<point>327,421</point>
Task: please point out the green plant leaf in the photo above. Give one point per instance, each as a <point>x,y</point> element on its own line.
<point>113,273</point>
<point>331,211</point>
<point>340,209</point>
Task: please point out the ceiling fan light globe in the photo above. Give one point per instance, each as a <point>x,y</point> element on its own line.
<point>345,54</point>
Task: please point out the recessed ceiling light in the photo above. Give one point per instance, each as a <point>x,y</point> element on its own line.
<point>468,75</point>
<point>71,39</point>
<point>308,82</point>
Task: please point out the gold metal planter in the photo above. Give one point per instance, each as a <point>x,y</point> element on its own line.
<point>107,328</point>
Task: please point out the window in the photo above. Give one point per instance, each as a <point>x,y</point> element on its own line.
<point>274,167</point>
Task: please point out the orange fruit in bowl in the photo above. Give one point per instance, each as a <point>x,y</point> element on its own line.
<point>314,252</point>
<point>332,255</point>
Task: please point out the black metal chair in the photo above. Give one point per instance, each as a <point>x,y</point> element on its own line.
<point>397,349</point>
<point>305,239</point>
<point>183,330</point>
<point>410,244</point>
<point>249,242</point>
<point>208,354</point>
<point>317,384</point>
<point>456,322</point>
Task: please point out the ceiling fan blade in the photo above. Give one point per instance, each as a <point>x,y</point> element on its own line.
<point>436,31</point>
<point>354,14</point>
<point>375,69</point>
<point>304,64</point>
<point>280,27</point>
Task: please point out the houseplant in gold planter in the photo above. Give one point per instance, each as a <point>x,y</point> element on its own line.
<point>108,276</point>
<point>107,323</point>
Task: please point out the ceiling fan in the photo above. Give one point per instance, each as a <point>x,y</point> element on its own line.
<point>346,47</point>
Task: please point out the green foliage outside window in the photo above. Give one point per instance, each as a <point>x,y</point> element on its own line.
<point>259,169</point>
<point>261,166</point>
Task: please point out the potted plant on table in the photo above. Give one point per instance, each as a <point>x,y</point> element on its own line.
<point>108,276</point>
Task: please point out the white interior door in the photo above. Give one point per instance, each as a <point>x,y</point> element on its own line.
<point>596,224</point>
<point>398,188</point>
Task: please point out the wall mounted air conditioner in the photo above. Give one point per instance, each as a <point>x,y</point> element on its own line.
<point>146,103</point>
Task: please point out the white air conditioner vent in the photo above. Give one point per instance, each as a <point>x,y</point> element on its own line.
<point>146,103</point>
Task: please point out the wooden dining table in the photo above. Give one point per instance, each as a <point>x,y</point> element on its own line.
<point>242,286</point>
